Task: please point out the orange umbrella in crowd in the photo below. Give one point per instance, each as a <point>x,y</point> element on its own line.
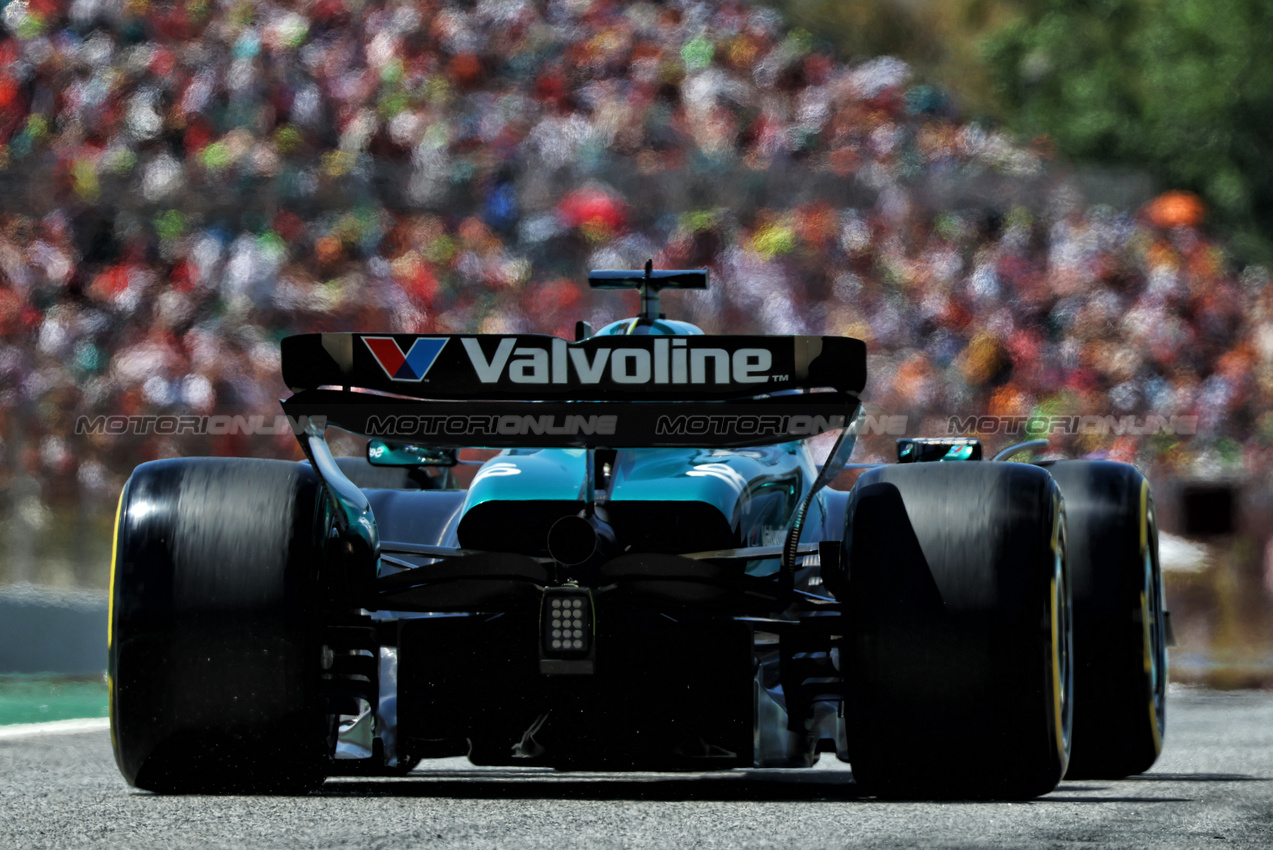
<point>1176,209</point>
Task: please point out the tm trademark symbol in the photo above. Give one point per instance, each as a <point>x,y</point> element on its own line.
<point>779,378</point>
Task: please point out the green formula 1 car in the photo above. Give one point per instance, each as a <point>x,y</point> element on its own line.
<point>652,573</point>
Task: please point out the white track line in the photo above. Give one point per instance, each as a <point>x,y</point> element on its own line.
<point>54,727</point>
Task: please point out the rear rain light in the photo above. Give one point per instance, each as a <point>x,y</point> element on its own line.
<point>566,630</point>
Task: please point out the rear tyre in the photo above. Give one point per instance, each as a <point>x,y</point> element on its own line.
<point>1120,641</point>
<point>215,642</point>
<point>957,648</point>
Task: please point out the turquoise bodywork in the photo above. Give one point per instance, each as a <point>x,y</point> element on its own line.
<point>558,475</point>
<point>658,327</point>
<point>755,490</point>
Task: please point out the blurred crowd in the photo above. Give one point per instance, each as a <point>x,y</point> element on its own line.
<point>184,182</point>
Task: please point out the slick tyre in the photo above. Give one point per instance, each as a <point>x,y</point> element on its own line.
<point>1120,642</point>
<point>214,650</point>
<point>957,647</point>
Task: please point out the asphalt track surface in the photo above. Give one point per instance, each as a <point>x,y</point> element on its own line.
<point>1213,787</point>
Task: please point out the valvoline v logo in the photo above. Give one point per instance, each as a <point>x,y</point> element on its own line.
<point>411,366</point>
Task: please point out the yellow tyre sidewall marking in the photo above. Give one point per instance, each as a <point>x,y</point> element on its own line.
<point>110,602</point>
<point>110,611</point>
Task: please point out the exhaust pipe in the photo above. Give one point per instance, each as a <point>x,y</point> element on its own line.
<point>578,539</point>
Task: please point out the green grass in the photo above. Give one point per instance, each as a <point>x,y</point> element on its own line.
<point>36,698</point>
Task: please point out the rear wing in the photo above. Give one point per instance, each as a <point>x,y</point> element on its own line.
<point>527,390</point>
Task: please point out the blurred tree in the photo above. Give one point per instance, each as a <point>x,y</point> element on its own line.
<point>1183,88</point>
<point>1180,88</point>
<point>940,39</point>
<point>867,28</point>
